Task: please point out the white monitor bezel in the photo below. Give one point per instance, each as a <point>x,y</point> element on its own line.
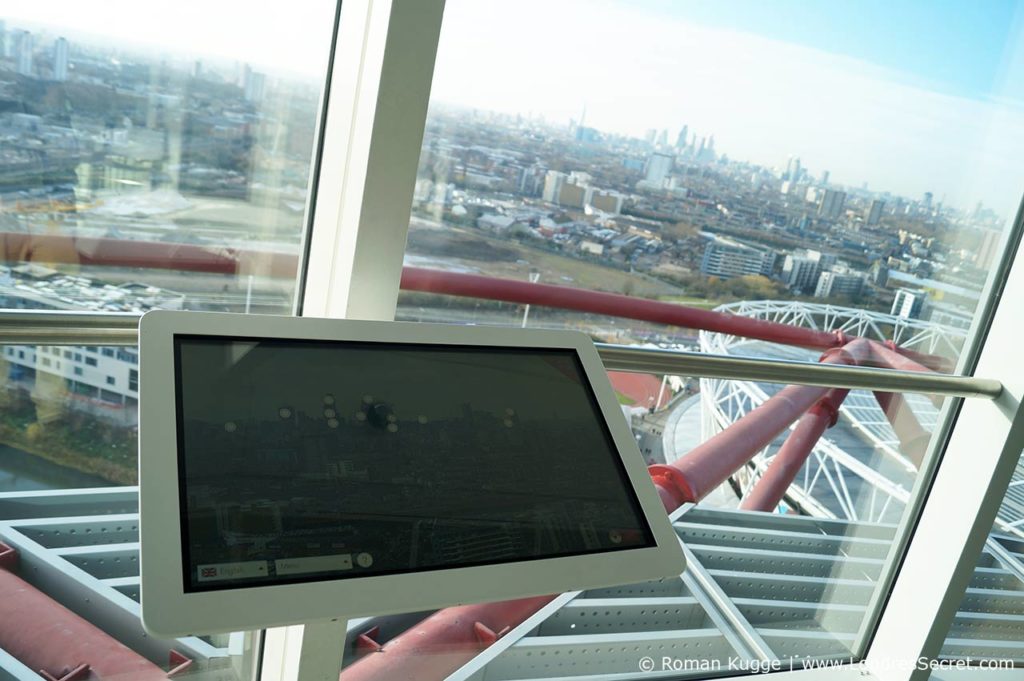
<point>167,610</point>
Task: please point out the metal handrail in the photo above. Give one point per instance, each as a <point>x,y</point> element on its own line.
<point>45,327</point>
<point>57,327</point>
<point>625,358</point>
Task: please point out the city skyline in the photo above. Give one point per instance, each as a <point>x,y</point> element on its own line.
<point>193,28</point>
<point>763,99</point>
<point>764,96</point>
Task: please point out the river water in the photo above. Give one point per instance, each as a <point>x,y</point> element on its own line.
<point>23,472</point>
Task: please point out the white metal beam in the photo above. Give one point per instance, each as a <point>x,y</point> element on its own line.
<point>376,110</point>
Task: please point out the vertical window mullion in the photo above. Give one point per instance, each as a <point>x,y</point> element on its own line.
<point>976,467</point>
<point>377,106</point>
<point>372,131</point>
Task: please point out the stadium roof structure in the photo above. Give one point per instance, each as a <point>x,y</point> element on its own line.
<point>858,470</point>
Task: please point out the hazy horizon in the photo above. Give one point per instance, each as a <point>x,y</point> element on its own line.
<point>940,111</point>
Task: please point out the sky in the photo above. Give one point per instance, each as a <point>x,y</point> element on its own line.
<point>907,95</point>
<point>292,36</point>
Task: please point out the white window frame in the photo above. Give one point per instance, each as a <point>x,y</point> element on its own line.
<point>372,131</point>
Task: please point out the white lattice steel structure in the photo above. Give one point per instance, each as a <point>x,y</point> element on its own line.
<point>857,471</point>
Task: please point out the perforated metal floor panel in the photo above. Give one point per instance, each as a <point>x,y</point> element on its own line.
<point>759,587</point>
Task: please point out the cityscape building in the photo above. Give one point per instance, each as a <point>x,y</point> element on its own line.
<point>874,212</point>
<point>800,270</point>
<point>910,303</point>
<point>658,167</point>
<point>987,250</point>
<point>832,202</point>
<point>553,182</point>
<point>681,139</point>
<point>793,169</point>
<point>60,59</point>
<point>727,258</point>
<point>839,281</point>
<point>23,52</point>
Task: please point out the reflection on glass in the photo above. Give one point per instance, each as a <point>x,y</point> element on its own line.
<point>149,161</point>
<point>68,417</point>
<point>989,625</point>
<point>711,156</point>
<point>784,165</point>
<point>68,452</point>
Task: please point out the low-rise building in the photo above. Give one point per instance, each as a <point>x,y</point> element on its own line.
<point>727,258</point>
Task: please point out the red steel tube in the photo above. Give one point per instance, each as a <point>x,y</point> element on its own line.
<point>769,490</point>
<point>443,642</point>
<point>913,437</point>
<point>711,463</point>
<point>110,252</point>
<point>47,637</point>
<point>887,354</point>
<point>615,305</point>
<point>612,304</point>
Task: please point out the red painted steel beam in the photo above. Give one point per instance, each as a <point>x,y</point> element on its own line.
<point>53,641</point>
<point>708,465</point>
<point>769,490</point>
<point>913,437</point>
<point>611,304</point>
<point>108,252</point>
<point>440,644</point>
<point>615,305</point>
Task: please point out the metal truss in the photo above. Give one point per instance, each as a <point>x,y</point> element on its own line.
<point>856,471</point>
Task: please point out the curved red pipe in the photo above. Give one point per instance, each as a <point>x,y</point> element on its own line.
<point>709,464</point>
<point>47,637</point>
<point>769,490</point>
<point>612,304</point>
<point>110,252</point>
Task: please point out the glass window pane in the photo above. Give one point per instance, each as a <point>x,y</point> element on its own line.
<point>69,527</point>
<point>788,168</point>
<point>157,155</point>
<point>989,626</point>
<point>783,570</point>
<point>714,154</point>
<point>151,156</point>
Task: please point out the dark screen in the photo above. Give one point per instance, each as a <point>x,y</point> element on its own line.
<point>312,460</point>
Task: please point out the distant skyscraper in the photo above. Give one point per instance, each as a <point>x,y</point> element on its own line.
<point>988,248</point>
<point>927,202</point>
<point>831,205</point>
<point>662,139</point>
<point>658,168</point>
<point>824,177</point>
<point>681,139</point>
<point>651,135</point>
<point>254,86</point>
<point>23,52</point>
<point>874,214</point>
<point>793,169</point>
<point>60,59</point>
